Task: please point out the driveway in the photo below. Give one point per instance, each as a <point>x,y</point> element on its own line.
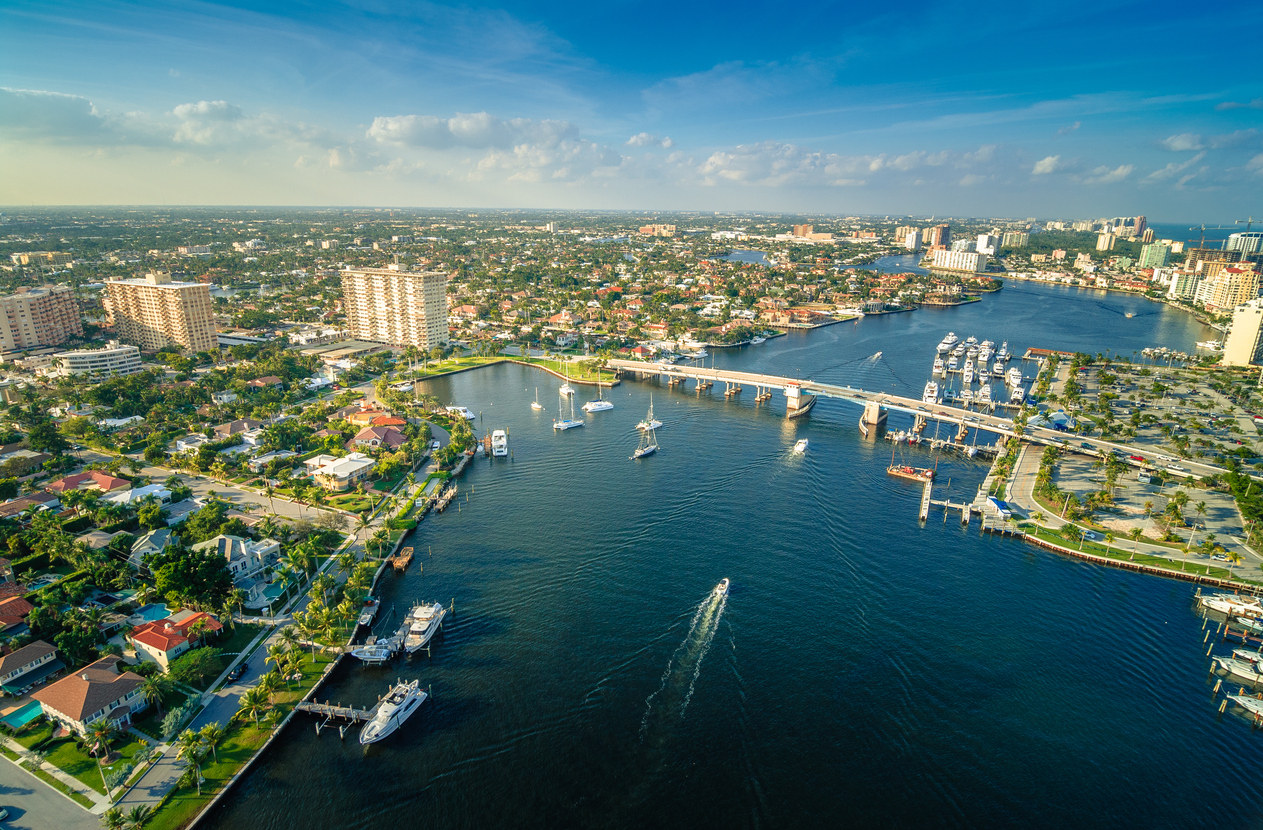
<point>33,805</point>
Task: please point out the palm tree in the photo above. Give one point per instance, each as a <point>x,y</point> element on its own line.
<point>379,540</point>
<point>1234,559</point>
<point>323,584</point>
<point>276,654</point>
<point>155,688</point>
<point>138,816</point>
<point>212,734</point>
<point>253,703</point>
<point>269,491</point>
<point>191,749</point>
<point>1109,540</point>
<point>1135,533</point>
<point>99,736</point>
<point>112,819</point>
<point>270,684</point>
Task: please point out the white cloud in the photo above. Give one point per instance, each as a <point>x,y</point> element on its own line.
<point>1183,142</point>
<point>648,140</point>
<point>1069,129</point>
<point>479,130</point>
<point>1104,175</point>
<point>1255,165</point>
<point>1255,104</point>
<point>35,114</point>
<point>1046,165</point>
<point>972,179</point>
<point>1173,169</point>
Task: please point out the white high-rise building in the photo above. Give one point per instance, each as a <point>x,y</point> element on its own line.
<point>114,359</point>
<point>402,308</point>
<point>1243,346</point>
<point>1246,243</point>
<point>156,312</point>
<point>988,244</point>
<point>970,261</point>
<point>912,241</point>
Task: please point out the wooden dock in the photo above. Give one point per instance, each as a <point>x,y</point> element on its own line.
<point>925,499</point>
<point>402,559</point>
<point>331,711</point>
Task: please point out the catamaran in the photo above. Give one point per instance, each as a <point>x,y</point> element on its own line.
<point>394,709</point>
<point>536,405</point>
<point>424,621</point>
<point>499,443</point>
<point>598,405</point>
<point>649,422</point>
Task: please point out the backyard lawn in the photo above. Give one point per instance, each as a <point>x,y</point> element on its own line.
<point>353,502</point>
<point>64,754</point>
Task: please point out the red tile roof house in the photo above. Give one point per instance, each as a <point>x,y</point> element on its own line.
<point>13,611</point>
<point>378,437</point>
<point>271,381</point>
<point>162,641</point>
<point>91,480</point>
<point>104,689</point>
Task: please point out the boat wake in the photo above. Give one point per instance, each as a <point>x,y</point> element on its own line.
<point>669,703</point>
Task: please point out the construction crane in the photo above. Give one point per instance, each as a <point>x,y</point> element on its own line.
<point>1202,242</point>
<point>1247,222</point>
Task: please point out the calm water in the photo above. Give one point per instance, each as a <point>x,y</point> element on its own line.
<point>865,671</point>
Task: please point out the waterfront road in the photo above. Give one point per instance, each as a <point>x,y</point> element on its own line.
<point>33,805</point>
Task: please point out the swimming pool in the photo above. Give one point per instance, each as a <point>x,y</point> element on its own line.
<point>21,717</point>
<point>149,613</point>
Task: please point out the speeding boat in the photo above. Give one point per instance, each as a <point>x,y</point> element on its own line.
<point>800,446</point>
<point>394,709</point>
<point>721,590</point>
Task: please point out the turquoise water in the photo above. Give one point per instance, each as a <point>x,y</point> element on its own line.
<point>865,670</point>
<point>21,717</point>
<point>150,613</point>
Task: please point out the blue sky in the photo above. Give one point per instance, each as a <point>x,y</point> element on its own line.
<point>987,108</point>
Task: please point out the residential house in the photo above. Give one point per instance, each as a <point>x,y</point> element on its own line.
<point>338,474</point>
<point>269,382</point>
<point>22,461</point>
<point>115,424</point>
<point>13,611</point>
<point>374,437</point>
<point>91,480</point>
<point>233,427</point>
<point>246,558</point>
<point>133,497</point>
<point>388,421</point>
<point>18,508</point>
<point>99,539</point>
<point>155,541</point>
<point>190,442</point>
<point>224,397</point>
<point>102,690</point>
<point>161,641</point>
<point>181,510</point>
<point>27,667</point>
<point>257,465</point>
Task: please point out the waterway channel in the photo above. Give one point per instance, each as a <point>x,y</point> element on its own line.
<point>864,671</point>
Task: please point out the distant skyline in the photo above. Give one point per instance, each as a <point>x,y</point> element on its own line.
<point>980,109</point>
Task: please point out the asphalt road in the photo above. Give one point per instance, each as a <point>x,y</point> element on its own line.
<point>33,805</point>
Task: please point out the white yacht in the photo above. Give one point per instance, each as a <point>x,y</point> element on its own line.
<point>368,611</point>
<point>1245,669</point>
<point>649,422</point>
<point>424,621</point>
<point>998,369</point>
<point>938,366</point>
<point>930,395</point>
<point>566,388</point>
<point>984,395</point>
<point>1015,376</point>
<point>951,339</point>
<point>536,405</point>
<point>1242,606</point>
<point>984,354</point>
<point>1018,395</point>
<point>395,708</point>
<point>971,341</point>
<point>563,422</point>
<point>969,371</point>
<point>1251,704</point>
<point>952,363</point>
<point>499,443</point>
<point>374,654</point>
<point>800,446</point>
<point>721,590</point>
<point>754,341</point>
<point>967,397</point>
<point>1003,354</point>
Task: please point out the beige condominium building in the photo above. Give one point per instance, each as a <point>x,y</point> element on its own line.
<point>47,316</point>
<point>114,359</point>
<point>155,312</point>
<point>402,308</point>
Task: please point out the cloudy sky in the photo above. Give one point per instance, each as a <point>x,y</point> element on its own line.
<point>981,108</point>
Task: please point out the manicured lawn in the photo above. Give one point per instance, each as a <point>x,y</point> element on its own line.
<point>151,723</point>
<point>1122,550</point>
<point>575,371</point>
<point>385,485</point>
<point>241,742</point>
<point>352,502</point>
<point>69,758</point>
<point>232,643</point>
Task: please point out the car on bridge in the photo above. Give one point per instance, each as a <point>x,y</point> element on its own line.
<point>1139,459</point>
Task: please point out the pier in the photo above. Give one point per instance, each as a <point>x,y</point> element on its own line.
<point>925,499</point>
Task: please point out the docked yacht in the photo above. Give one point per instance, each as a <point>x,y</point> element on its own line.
<point>424,621</point>
<point>800,446</point>
<point>721,590</point>
<point>969,371</point>
<point>754,341</point>
<point>1244,669</point>
<point>938,366</point>
<point>1251,704</point>
<point>374,653</point>
<point>395,708</point>
<point>1242,606</point>
<point>931,393</point>
<point>951,339</point>
<point>499,443</point>
<point>984,352</point>
<point>967,397</point>
<point>1015,376</point>
<point>1018,395</point>
<point>1003,354</point>
<point>952,363</point>
<point>984,395</point>
<point>971,341</point>
<point>998,369</point>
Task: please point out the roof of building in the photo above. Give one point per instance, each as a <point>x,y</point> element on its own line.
<point>17,506</point>
<point>270,380</point>
<point>171,633</point>
<point>387,421</point>
<point>25,656</point>
<point>239,425</point>
<point>138,493</point>
<point>389,436</point>
<point>90,689</point>
<point>352,463</point>
<point>90,480</point>
<point>98,538</point>
<point>154,540</point>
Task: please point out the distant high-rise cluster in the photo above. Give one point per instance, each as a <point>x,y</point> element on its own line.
<point>658,230</point>
<point>402,308</point>
<point>1016,239</point>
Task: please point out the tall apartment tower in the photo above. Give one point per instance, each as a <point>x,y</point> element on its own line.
<point>1244,346</point>
<point>155,312</point>
<point>47,316</point>
<point>938,236</point>
<point>402,308</point>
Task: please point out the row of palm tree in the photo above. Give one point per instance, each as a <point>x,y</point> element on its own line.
<point>134,819</point>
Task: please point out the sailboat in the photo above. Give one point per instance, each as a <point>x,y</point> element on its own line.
<point>650,422</point>
<point>566,388</point>
<point>598,405</point>
<point>648,442</point>
<point>536,405</point>
<point>566,423</point>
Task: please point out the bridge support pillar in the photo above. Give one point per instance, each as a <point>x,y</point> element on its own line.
<point>874,414</point>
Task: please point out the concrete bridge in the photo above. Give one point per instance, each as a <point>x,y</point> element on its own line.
<point>800,397</point>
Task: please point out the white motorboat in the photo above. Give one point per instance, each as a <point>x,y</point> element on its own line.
<point>1018,395</point>
<point>930,395</point>
<point>721,590</point>
<point>1241,606</point>
<point>395,708</point>
<point>754,341</point>
<point>536,405</point>
<point>971,341</point>
<point>1244,669</point>
<point>952,363</point>
<point>984,395</point>
<point>1003,354</point>
<point>368,611</point>
<point>998,369</point>
<point>499,443</point>
<point>1015,377</point>
<point>939,366</point>
<point>375,653</point>
<point>951,339</point>
<point>967,397</point>
<point>1251,704</point>
<point>969,371</point>
<point>424,621</point>
<point>463,411</point>
<point>649,422</point>
<point>984,354</point>
<point>800,446</point>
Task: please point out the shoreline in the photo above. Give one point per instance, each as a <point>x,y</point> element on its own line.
<point>1200,316</point>
<point>602,383</point>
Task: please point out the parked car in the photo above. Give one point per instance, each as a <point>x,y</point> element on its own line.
<point>238,670</point>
